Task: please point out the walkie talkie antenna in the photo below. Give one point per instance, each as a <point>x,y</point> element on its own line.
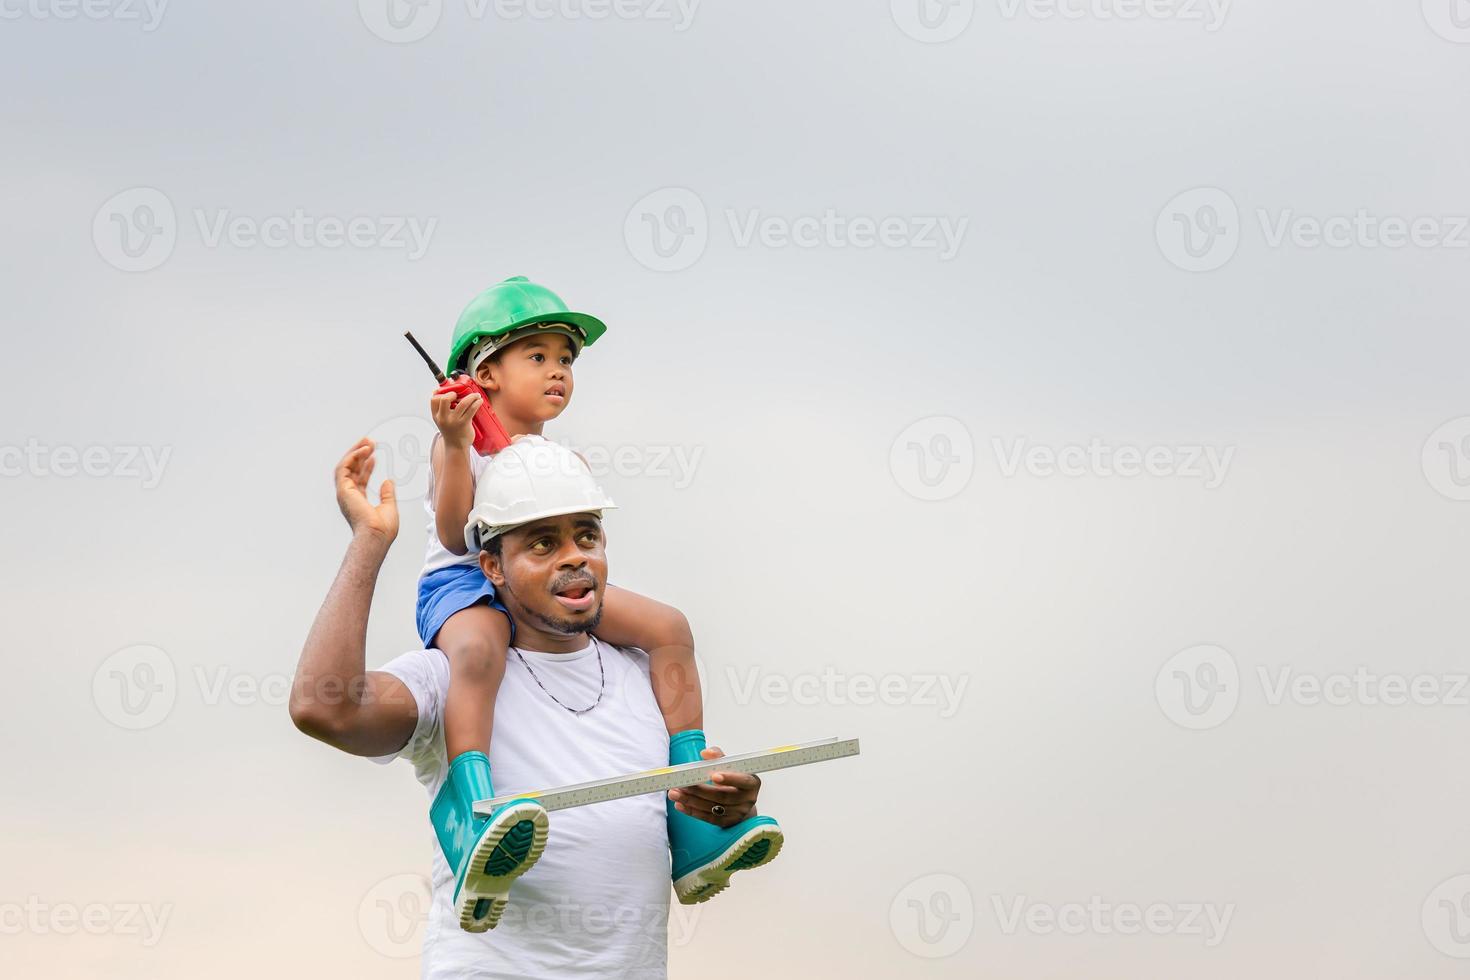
<point>438,374</point>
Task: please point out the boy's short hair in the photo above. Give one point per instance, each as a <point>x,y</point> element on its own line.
<point>488,348</point>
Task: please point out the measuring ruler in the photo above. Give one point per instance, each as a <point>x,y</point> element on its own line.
<point>674,777</point>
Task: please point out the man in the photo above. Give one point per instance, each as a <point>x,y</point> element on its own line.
<point>572,710</point>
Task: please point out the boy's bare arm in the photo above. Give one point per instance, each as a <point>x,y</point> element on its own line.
<point>335,698</point>
<point>454,494</point>
<point>663,632</point>
<point>454,484</point>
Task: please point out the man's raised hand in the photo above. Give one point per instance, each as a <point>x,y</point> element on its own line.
<point>363,516</point>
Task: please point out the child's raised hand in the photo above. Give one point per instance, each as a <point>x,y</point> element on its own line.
<point>455,421</point>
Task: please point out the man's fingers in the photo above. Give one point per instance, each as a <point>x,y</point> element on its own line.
<point>737,780</point>
<point>345,464</point>
<point>734,813</point>
<point>714,794</point>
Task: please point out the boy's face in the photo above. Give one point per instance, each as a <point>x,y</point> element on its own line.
<point>531,378</point>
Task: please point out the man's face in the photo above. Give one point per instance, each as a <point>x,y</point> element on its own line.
<point>552,573</point>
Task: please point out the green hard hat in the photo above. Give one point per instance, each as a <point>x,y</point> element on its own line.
<point>510,307</point>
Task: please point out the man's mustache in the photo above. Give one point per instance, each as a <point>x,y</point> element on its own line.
<point>571,579</point>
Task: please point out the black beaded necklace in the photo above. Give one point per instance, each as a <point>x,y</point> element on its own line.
<point>601,680</point>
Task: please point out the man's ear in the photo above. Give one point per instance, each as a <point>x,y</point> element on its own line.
<point>490,565</point>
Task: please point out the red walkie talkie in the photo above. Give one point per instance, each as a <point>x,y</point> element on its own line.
<point>490,435</point>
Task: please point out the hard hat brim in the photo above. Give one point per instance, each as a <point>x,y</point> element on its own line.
<point>588,326</point>
<point>474,541</point>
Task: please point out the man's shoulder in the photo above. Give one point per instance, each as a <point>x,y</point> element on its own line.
<point>635,654</point>
<point>420,669</point>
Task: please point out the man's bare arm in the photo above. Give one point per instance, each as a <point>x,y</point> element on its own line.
<point>335,698</point>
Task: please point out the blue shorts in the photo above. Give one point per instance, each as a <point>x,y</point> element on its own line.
<point>445,591</point>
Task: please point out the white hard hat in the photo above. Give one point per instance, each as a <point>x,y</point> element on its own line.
<point>530,479</point>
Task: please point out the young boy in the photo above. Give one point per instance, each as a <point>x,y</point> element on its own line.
<point>519,341</point>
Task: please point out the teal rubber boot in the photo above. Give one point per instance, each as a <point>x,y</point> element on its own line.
<point>705,856</point>
<point>485,853</point>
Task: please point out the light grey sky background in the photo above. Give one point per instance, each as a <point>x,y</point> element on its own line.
<point>1067,399</point>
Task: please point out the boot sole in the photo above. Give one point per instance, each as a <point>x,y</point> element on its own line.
<point>758,846</point>
<point>502,854</point>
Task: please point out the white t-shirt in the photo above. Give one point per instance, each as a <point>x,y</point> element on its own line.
<point>597,902</point>
<point>436,556</point>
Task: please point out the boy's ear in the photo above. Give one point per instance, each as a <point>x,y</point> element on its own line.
<point>490,565</point>
<point>485,377</point>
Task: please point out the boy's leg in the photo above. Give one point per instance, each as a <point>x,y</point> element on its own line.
<point>485,853</point>
<point>476,641</point>
<point>704,855</point>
